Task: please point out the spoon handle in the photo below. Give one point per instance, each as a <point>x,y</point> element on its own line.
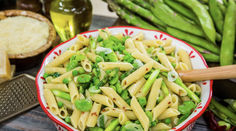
<point>214,73</point>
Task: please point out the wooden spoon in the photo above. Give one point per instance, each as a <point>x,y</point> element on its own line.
<point>214,73</point>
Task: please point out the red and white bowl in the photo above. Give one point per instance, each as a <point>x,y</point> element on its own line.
<point>198,62</point>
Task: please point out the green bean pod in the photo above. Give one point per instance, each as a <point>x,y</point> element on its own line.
<point>150,81</point>
<point>203,16</point>
<point>141,11</point>
<point>168,16</point>
<point>227,45</point>
<point>61,94</point>
<point>193,39</point>
<point>222,7</point>
<point>210,57</point>
<point>130,17</point>
<point>142,3</point>
<point>223,109</point>
<point>182,10</point>
<point>217,15</point>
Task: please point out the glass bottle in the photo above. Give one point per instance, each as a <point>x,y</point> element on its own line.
<point>70,17</point>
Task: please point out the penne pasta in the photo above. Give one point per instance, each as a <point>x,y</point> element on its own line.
<point>154,93</point>
<point>61,59</point>
<point>75,118</point>
<point>93,115</point>
<point>61,87</point>
<point>153,43</point>
<point>170,112</point>
<point>164,60</point>
<point>123,66</point>
<point>184,57</point>
<point>62,113</point>
<point>119,36</point>
<point>74,94</point>
<point>114,112</point>
<point>145,59</point>
<point>51,70</point>
<point>139,45</point>
<point>161,107</point>
<point>115,98</point>
<point>51,101</point>
<point>167,42</point>
<point>104,100</point>
<point>63,76</point>
<point>175,88</point>
<point>83,120</point>
<point>123,118</point>
<point>86,64</point>
<point>133,89</point>
<point>131,115</point>
<point>129,44</point>
<point>138,111</point>
<point>161,127</point>
<point>169,49</point>
<point>136,75</point>
<point>175,101</point>
<point>82,40</point>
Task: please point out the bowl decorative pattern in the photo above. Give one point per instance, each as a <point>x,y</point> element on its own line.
<point>197,60</point>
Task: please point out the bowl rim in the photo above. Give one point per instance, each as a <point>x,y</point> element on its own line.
<point>39,17</point>
<point>113,27</point>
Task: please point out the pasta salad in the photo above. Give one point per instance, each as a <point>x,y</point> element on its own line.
<point>117,82</point>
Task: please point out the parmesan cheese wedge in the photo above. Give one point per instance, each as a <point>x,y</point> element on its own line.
<point>5,67</point>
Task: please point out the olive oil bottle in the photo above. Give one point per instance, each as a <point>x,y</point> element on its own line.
<point>71,17</point>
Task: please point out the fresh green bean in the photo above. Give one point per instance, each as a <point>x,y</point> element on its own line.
<point>168,16</point>
<point>203,16</point>
<point>223,123</point>
<point>150,81</point>
<point>164,88</point>
<point>114,123</point>
<point>141,11</point>
<point>142,3</point>
<point>61,94</point>
<point>218,37</point>
<point>225,2</point>
<point>182,10</point>
<point>223,109</point>
<point>232,103</point>
<point>130,17</point>
<point>227,45</point>
<point>209,56</point>
<point>191,94</point>
<point>222,7</point>
<point>216,14</point>
<point>193,39</point>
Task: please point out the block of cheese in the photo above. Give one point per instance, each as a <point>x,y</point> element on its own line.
<point>5,67</point>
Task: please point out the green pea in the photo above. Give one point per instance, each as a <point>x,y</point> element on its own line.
<point>98,59</point>
<point>81,70</point>
<point>60,104</point>
<point>66,81</point>
<point>167,121</point>
<point>142,101</point>
<point>75,72</point>
<point>67,119</point>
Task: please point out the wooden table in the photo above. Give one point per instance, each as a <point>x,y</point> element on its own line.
<point>36,120</point>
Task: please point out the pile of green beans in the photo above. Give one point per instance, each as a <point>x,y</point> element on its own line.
<point>207,25</point>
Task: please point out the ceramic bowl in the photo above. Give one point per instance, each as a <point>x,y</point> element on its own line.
<point>197,60</point>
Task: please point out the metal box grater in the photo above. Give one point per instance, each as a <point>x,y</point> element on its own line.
<point>17,95</point>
